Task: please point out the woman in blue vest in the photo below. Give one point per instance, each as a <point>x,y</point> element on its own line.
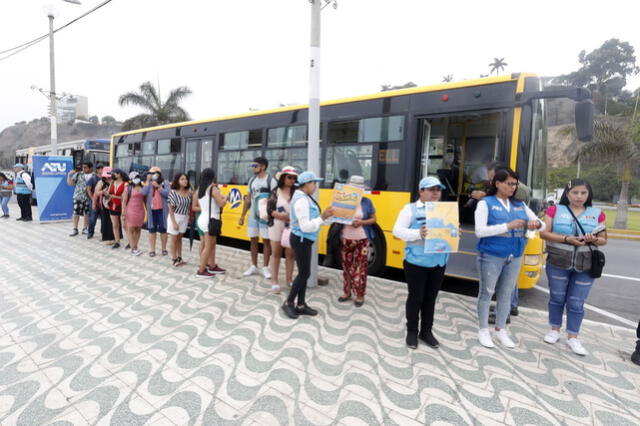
<point>569,258</point>
<point>501,222</point>
<point>424,272</point>
<point>306,220</point>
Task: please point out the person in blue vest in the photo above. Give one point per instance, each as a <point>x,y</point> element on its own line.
<point>423,272</point>
<point>23,188</point>
<point>569,258</point>
<point>306,220</point>
<point>501,222</point>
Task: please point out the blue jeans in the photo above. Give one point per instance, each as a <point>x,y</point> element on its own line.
<point>4,201</point>
<point>497,275</point>
<point>93,219</point>
<point>569,288</point>
<point>515,298</point>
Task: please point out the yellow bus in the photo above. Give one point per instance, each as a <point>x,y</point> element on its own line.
<point>391,138</point>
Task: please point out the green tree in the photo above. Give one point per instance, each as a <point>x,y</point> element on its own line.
<point>616,143</point>
<point>387,87</point>
<point>604,70</point>
<point>108,120</point>
<point>158,112</point>
<point>497,65</point>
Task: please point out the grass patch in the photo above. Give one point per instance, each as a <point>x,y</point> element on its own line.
<point>633,220</point>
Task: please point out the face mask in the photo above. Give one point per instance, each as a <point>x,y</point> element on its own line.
<point>136,181</point>
<point>154,177</point>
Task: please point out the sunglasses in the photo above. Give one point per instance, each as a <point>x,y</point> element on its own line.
<point>432,188</point>
<point>255,165</point>
<point>292,177</point>
<point>510,183</point>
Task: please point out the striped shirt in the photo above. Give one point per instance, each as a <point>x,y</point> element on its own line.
<point>180,204</point>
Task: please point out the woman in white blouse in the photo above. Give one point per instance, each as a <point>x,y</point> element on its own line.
<point>501,223</point>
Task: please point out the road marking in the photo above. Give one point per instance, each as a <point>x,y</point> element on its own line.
<point>599,311</point>
<point>621,277</point>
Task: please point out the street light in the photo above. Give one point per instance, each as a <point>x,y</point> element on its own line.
<point>51,13</point>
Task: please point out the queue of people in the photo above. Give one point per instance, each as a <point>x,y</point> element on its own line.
<point>283,211</point>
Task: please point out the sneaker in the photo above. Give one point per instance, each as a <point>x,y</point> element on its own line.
<point>576,346</point>
<point>89,236</point>
<point>136,252</point>
<point>412,339</point>
<point>504,339</point>
<point>551,337</point>
<point>127,247</point>
<point>74,233</point>
<point>19,219</point>
<point>253,269</point>
<point>514,312</point>
<point>84,231</point>
<point>266,272</point>
<point>116,246</point>
<point>428,337</point>
<point>289,310</point>
<point>216,270</point>
<point>484,336</point>
<point>306,310</point>
<point>275,288</point>
<point>205,274</point>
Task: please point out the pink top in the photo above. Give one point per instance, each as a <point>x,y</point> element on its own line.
<point>156,201</point>
<point>135,208</point>
<point>551,212</point>
<point>352,233</point>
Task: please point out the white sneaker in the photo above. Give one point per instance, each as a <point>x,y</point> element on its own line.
<point>485,338</point>
<point>552,337</point>
<point>266,272</point>
<point>504,339</point>
<point>576,346</point>
<point>253,269</point>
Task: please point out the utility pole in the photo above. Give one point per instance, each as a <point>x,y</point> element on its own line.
<point>52,92</point>
<point>313,147</point>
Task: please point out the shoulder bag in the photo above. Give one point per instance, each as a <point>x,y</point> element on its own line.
<point>215,225</point>
<point>597,257</point>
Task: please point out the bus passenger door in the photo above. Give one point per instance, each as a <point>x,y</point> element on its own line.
<point>191,166</point>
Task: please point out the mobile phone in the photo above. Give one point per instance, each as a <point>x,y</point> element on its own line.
<point>601,227</point>
<point>281,209</point>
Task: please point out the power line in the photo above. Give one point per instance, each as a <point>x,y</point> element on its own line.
<point>17,49</point>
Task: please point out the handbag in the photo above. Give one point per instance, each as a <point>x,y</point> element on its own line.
<point>215,225</point>
<point>285,240</point>
<point>597,257</point>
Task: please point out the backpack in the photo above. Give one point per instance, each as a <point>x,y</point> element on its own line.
<point>259,204</point>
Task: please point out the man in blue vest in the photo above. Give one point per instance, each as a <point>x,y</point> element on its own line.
<point>23,188</point>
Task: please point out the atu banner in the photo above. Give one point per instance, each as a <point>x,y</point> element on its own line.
<point>55,197</point>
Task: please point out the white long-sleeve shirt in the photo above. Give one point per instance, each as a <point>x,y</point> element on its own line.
<point>482,215</point>
<point>401,228</point>
<point>301,207</point>
<point>27,179</point>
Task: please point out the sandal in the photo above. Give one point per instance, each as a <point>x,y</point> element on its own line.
<point>344,299</point>
<point>174,262</point>
<point>358,303</point>
<point>165,253</point>
<point>180,262</point>
<point>152,254</point>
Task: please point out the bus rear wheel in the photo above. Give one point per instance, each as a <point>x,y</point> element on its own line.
<point>377,251</point>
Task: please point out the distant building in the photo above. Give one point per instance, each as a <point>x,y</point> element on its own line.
<point>71,107</point>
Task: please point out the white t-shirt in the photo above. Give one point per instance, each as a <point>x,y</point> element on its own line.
<point>258,183</point>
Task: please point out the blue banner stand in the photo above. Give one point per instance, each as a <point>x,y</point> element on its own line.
<point>55,197</point>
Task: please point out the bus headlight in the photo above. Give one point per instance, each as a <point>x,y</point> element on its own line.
<point>531,259</point>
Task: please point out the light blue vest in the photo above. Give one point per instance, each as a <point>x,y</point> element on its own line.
<point>414,250</point>
<point>512,242</point>
<point>563,222</point>
<point>314,212</point>
<point>20,187</point>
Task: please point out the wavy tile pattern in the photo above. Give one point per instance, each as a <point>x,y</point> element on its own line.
<point>90,335</point>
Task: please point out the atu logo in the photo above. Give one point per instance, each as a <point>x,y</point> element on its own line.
<point>54,168</point>
<point>235,198</point>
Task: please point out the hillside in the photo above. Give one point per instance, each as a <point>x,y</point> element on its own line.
<point>38,132</point>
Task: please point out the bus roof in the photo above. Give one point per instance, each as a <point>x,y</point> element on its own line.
<point>378,95</point>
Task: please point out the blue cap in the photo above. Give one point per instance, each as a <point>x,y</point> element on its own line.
<point>429,182</point>
<point>306,177</point>
<point>19,165</point>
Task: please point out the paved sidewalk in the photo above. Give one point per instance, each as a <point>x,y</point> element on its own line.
<point>90,335</point>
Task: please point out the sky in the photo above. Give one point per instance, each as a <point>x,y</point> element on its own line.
<point>242,54</point>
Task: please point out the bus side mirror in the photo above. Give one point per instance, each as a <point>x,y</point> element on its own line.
<point>584,120</point>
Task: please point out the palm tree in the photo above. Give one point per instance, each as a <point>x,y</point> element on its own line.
<point>158,112</point>
<point>447,78</point>
<point>616,142</point>
<point>497,65</point>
